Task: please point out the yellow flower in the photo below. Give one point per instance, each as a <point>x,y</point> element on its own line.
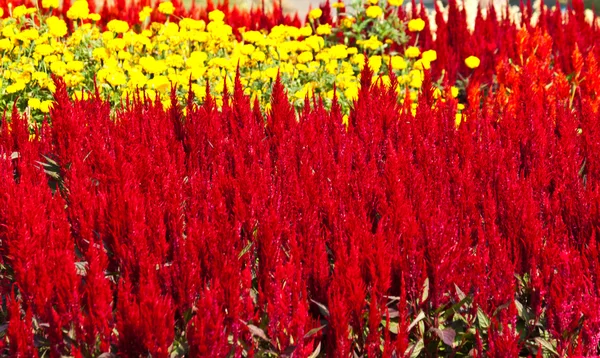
<point>472,62</point>
<point>118,26</point>
<point>34,103</point>
<point>375,63</point>
<point>305,57</point>
<point>15,87</point>
<point>422,65</point>
<point>458,119</point>
<point>396,2</point>
<point>398,63</point>
<point>75,66</point>
<point>316,43</point>
<point>145,13</point>
<point>373,2</point>
<point>372,43</point>
<point>216,15</point>
<point>5,44</point>
<point>59,68</point>
<point>166,8</point>
<point>56,27</point>
<point>338,52</point>
<point>79,10</point>
<point>454,91</point>
<point>374,11</point>
<point>429,56</point>
<point>347,22</point>
<point>19,11</point>
<point>412,52</point>
<point>324,29</point>
<point>46,4</point>
<point>306,31</point>
<point>338,5</point>
<point>94,17</point>
<point>116,78</point>
<point>45,106</point>
<point>315,14</point>
<point>416,25</point>
<point>259,56</point>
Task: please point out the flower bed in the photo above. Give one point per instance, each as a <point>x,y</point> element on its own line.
<point>449,207</point>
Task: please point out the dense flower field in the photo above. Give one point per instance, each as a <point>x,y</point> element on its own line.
<point>229,183</point>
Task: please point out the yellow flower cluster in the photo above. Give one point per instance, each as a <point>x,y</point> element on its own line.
<point>156,56</point>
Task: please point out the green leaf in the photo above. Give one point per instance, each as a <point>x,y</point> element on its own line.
<point>393,327</point>
<point>420,316</point>
<point>314,331</point>
<point>258,332</point>
<point>482,319</point>
<point>546,346</point>
<point>315,354</point>
<point>454,308</point>
<point>461,295</point>
<point>415,349</point>
<point>322,308</point>
<point>425,294</point>
<point>245,249</point>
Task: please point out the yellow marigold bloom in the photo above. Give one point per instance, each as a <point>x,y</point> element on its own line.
<point>458,119</point>
<point>347,22</point>
<point>315,14</point>
<point>375,63</point>
<point>45,106</point>
<point>79,10</point>
<point>28,35</point>
<point>116,78</point>
<point>118,26</point>
<point>338,52</point>
<point>398,63</point>
<point>15,87</point>
<point>422,65</point>
<point>305,57</point>
<point>351,92</point>
<point>316,43</point>
<point>100,53</point>
<point>1,12</point>
<point>454,91</point>
<point>159,83</point>
<point>324,29</point>
<point>56,27</point>
<point>373,2</point>
<point>396,2</point>
<point>429,55</point>
<point>374,11</point>
<point>34,103</point>
<point>216,15</point>
<point>145,13</point>
<point>75,66</point>
<point>5,44</point>
<point>59,68</point>
<point>166,8</point>
<point>247,49</point>
<point>416,25</point>
<point>472,62</point>
<point>372,43</point>
<point>19,11</point>
<point>412,52</point>
<point>46,4</point>
<point>259,56</point>
<point>306,31</point>
<point>338,5</point>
